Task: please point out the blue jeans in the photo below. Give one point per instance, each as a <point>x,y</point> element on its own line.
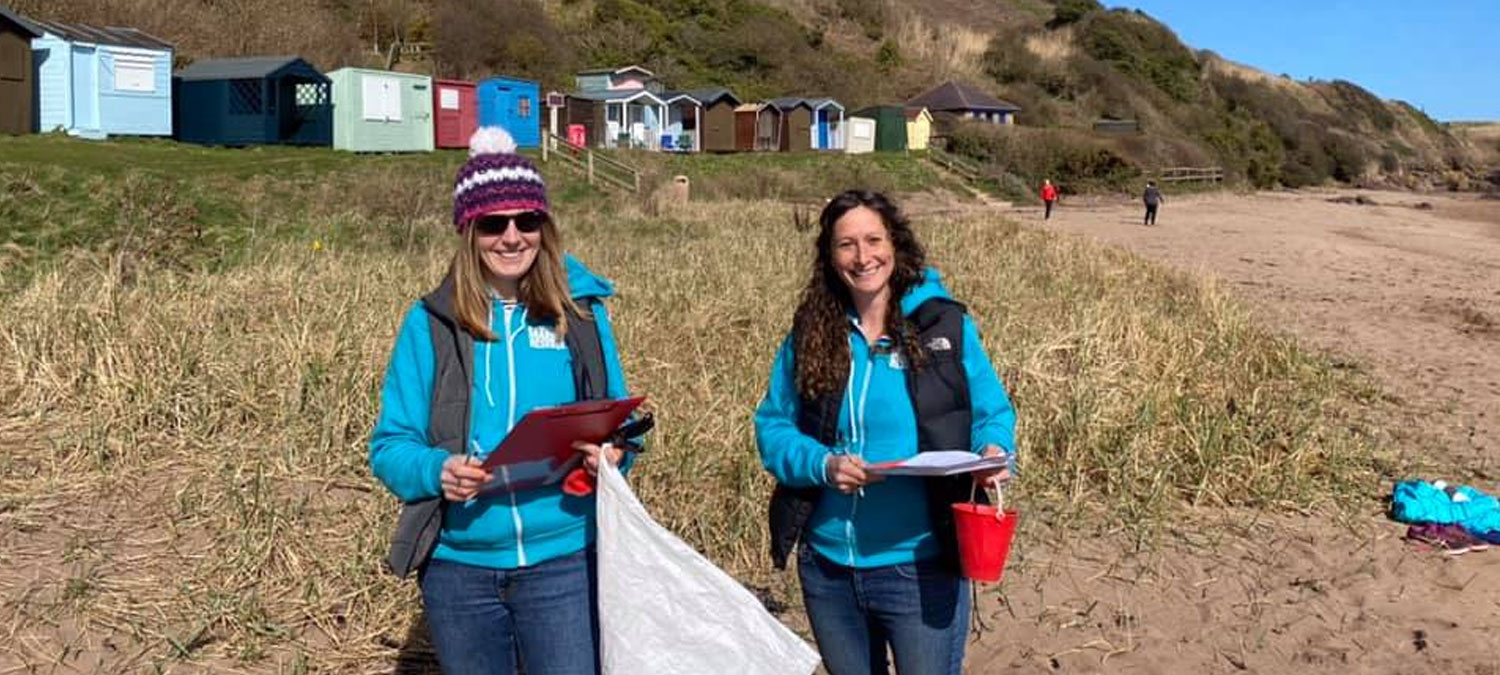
<point>921,611</point>
<point>490,622</point>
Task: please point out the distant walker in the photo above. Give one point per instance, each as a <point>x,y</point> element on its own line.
<point>1153,199</point>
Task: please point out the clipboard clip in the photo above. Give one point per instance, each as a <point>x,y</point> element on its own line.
<point>578,482</point>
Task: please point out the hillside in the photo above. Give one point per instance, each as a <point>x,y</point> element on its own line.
<point>1067,63</point>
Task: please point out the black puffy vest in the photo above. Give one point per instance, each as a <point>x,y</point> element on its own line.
<point>448,423</point>
<point>940,396</point>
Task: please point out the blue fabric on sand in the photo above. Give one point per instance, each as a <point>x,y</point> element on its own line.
<point>1417,501</point>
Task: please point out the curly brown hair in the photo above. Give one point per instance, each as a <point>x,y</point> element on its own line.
<point>820,325</point>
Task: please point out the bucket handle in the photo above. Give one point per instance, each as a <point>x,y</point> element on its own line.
<point>999,498</point>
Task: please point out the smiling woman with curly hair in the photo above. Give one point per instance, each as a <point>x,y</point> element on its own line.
<point>881,364</point>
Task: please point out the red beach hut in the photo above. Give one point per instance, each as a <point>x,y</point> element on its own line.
<point>457,112</point>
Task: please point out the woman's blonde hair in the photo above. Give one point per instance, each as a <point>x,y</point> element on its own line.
<point>543,289</point>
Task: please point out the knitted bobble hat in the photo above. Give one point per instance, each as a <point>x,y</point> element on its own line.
<point>495,179</point>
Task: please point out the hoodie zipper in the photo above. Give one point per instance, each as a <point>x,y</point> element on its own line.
<point>857,434</point>
<point>510,423</point>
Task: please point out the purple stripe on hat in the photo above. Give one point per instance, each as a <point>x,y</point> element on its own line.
<point>501,181</point>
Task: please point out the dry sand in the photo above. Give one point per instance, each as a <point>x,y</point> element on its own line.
<point>1407,287</point>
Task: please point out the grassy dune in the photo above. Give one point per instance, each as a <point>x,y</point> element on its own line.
<point>183,480</point>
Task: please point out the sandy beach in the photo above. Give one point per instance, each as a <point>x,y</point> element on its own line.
<point>1405,286</point>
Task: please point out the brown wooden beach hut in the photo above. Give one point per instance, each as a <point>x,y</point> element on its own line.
<point>718,129</point>
<point>795,133</point>
<point>17,83</point>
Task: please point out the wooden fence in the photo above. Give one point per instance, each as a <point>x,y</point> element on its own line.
<point>965,168</point>
<point>1181,174</point>
<point>601,170</point>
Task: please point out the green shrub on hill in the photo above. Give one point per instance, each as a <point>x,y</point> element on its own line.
<point>1072,11</point>
<point>1138,46</point>
<point>1069,155</point>
<point>1359,103</point>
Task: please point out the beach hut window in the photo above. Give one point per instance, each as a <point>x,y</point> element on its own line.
<point>523,107</point>
<point>135,73</point>
<point>448,98</point>
<point>244,97</point>
<point>311,94</point>
<point>382,98</point>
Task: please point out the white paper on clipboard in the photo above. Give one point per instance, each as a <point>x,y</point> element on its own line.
<point>939,463</point>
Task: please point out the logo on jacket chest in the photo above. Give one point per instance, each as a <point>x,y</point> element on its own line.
<point>543,337</point>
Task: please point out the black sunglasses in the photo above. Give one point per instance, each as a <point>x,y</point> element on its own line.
<point>526,223</point>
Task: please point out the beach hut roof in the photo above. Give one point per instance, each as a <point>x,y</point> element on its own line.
<point>818,103</point>
<point>241,68</point>
<point>118,37</point>
<point>713,95</point>
<point>626,95</point>
<point>788,103</point>
<point>671,97</point>
<point>749,107</point>
<point>617,71</point>
<point>954,96</point>
<point>23,22</point>
<point>915,112</point>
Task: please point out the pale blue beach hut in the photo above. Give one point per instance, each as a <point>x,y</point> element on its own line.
<point>97,82</point>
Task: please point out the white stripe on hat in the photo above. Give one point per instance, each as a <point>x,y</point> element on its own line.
<point>493,175</point>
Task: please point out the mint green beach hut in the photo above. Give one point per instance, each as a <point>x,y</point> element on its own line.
<point>381,111</point>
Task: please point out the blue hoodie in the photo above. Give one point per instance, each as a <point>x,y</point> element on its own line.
<point>888,524</point>
<point>529,366</point>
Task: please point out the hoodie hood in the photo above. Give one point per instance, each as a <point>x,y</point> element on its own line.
<point>583,283</point>
<point>929,287</point>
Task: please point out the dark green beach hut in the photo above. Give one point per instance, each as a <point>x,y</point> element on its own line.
<point>890,125</point>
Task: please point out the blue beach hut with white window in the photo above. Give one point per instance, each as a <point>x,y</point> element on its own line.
<point>513,104</point>
<point>262,100</point>
<point>97,82</point>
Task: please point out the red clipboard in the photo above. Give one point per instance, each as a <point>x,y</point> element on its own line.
<point>539,450</point>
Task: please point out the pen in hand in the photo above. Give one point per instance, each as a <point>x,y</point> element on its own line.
<point>463,477</point>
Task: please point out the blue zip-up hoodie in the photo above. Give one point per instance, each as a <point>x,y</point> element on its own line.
<point>529,366</point>
<point>888,524</point>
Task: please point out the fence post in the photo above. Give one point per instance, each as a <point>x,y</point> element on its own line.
<point>591,167</point>
<point>546,141</point>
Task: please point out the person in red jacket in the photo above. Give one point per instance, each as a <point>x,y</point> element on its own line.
<point>1049,195</point>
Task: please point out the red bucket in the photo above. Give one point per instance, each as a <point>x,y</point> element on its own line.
<point>983,539</point>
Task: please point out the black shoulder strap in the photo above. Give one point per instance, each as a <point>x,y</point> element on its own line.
<point>590,376</point>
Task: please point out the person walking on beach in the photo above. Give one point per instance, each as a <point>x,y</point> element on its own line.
<point>1153,199</point>
<point>881,363</point>
<point>1049,195</point>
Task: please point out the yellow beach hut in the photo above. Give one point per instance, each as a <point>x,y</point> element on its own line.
<point>918,128</point>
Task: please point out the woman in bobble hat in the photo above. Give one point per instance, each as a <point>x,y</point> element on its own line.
<point>516,324</point>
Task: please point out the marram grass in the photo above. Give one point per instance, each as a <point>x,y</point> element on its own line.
<point>183,480</point>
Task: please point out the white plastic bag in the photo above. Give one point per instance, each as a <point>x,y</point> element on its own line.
<point>666,610</point>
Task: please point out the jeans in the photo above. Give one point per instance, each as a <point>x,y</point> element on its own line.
<point>1150,214</point>
<point>491,621</point>
<point>1048,215</point>
<point>921,611</point>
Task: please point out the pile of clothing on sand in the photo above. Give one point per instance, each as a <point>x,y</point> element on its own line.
<point>1450,519</point>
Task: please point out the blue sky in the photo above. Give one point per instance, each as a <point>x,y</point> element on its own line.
<point>1442,56</point>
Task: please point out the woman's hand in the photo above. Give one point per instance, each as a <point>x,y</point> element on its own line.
<point>592,452</point>
<point>847,473</point>
<point>462,477</point>
<point>997,478</point>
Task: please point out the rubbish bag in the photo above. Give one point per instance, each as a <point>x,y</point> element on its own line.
<point>666,610</point>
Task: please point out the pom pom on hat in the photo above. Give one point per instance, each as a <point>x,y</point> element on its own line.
<point>495,178</point>
<point>491,141</point>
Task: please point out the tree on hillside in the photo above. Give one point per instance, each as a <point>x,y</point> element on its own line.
<point>475,38</point>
